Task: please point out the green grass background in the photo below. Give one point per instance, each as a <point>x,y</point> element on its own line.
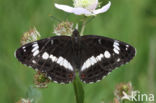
<point>132,21</point>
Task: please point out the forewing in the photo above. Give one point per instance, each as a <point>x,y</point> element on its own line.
<point>100,55</point>
<point>50,56</point>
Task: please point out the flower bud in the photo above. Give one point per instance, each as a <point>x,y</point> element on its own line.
<point>64,28</point>
<point>40,80</point>
<point>30,36</point>
<point>123,88</point>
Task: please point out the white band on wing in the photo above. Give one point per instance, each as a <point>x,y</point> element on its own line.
<point>92,60</point>
<point>60,60</point>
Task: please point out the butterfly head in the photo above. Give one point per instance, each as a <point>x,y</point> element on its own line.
<point>75,33</point>
<point>75,36</point>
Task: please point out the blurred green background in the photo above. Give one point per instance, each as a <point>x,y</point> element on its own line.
<point>132,21</point>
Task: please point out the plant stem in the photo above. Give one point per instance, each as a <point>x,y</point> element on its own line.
<point>78,89</point>
<point>83,26</point>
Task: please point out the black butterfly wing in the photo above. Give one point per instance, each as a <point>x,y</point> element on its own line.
<point>50,56</point>
<point>101,55</point>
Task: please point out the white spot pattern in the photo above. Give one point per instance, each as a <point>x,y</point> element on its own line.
<point>33,61</point>
<point>52,42</point>
<point>118,60</point>
<point>35,44</point>
<point>24,49</point>
<point>107,54</point>
<point>92,60</point>
<point>99,57</point>
<point>35,49</point>
<point>116,47</point>
<point>116,51</point>
<point>53,58</point>
<point>61,61</point>
<point>99,40</point>
<point>45,55</point>
<point>127,46</point>
<point>36,52</point>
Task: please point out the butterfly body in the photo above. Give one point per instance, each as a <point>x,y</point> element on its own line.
<point>76,47</point>
<point>60,56</point>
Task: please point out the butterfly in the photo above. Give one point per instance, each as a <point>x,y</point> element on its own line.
<point>59,57</point>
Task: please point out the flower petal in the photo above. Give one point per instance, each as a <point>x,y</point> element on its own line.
<point>77,11</point>
<point>81,11</point>
<point>65,8</point>
<point>103,9</point>
<point>92,5</point>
